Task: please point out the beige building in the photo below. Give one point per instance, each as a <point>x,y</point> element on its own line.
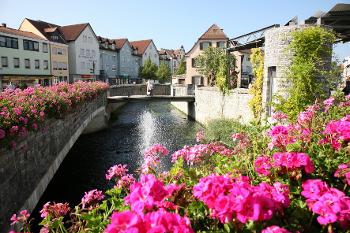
<point>213,37</point>
<point>58,46</point>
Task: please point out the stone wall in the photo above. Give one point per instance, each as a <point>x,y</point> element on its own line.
<point>183,90</point>
<point>26,170</point>
<point>138,89</point>
<point>211,104</point>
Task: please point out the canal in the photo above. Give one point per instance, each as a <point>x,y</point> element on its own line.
<point>136,127</point>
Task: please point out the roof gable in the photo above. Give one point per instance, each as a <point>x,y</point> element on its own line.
<point>214,33</point>
<point>72,32</point>
<point>47,29</point>
<point>141,45</point>
<point>119,43</point>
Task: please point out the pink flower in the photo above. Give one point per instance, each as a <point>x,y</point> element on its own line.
<point>328,103</point>
<point>227,198</point>
<point>337,131</point>
<point>92,197</point>
<point>293,160</point>
<point>2,134</point>
<point>55,210</point>
<point>125,222</point>
<point>330,204</point>
<point>125,181</point>
<point>154,222</point>
<point>156,149</point>
<point>147,193</point>
<point>263,165</point>
<point>21,218</point>
<point>280,136</point>
<point>116,171</point>
<point>279,116</point>
<point>343,171</point>
<point>200,136</point>
<point>274,229</point>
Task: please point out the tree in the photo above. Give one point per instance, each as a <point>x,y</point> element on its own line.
<point>208,64</point>
<point>148,70</point>
<point>182,68</point>
<point>163,72</point>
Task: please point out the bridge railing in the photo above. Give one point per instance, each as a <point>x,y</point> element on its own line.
<point>138,89</point>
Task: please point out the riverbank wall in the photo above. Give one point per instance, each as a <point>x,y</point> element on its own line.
<point>27,169</point>
<point>211,104</point>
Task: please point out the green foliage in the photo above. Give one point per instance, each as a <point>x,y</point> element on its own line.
<point>308,75</point>
<point>214,60</point>
<point>163,73</point>
<point>181,69</point>
<point>257,60</point>
<point>148,70</point>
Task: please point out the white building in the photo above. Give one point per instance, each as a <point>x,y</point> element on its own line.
<point>172,57</point>
<point>146,49</point>
<point>83,49</point>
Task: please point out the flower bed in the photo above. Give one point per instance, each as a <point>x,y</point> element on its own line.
<point>292,177</point>
<point>23,110</point>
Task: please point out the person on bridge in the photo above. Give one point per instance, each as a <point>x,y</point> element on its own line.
<point>150,86</point>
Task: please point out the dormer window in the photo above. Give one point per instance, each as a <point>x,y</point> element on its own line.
<point>221,44</point>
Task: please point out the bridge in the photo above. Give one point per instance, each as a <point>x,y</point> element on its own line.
<point>135,98</point>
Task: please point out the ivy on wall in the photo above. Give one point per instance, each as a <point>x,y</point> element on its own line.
<point>257,60</point>
<point>308,76</point>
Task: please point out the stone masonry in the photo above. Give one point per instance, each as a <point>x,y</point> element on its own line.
<point>26,170</point>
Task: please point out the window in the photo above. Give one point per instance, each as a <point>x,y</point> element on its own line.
<point>64,66</point>
<point>46,64</point>
<point>37,64</point>
<point>8,42</point>
<point>90,40</point>
<point>88,52</point>
<point>114,68</point>
<point>27,63</point>
<point>204,45</point>
<point>45,48</point>
<point>16,62</point>
<point>197,80</point>
<point>221,44</point>
<point>114,57</point>
<point>93,53</point>
<point>82,52</point>
<point>4,62</point>
<point>84,38</point>
<point>55,65</point>
<point>194,62</point>
<point>30,45</point>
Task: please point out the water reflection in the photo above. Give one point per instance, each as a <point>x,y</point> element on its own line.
<point>138,126</point>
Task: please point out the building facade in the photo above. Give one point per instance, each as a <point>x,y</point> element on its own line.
<point>58,46</point>
<point>108,59</point>
<point>129,60</point>
<point>25,59</point>
<point>83,52</point>
<point>213,37</point>
<point>172,57</point>
<point>244,68</point>
<point>147,50</point>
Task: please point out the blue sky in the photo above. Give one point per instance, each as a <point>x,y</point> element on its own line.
<point>169,23</point>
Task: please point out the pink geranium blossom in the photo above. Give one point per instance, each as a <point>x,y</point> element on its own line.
<point>55,210</point>
<point>21,218</point>
<point>274,229</point>
<point>116,171</point>
<point>228,198</point>
<point>91,198</point>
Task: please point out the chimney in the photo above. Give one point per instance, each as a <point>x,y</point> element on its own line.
<point>3,24</point>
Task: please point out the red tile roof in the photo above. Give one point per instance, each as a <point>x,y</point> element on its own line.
<point>214,33</point>
<point>119,43</point>
<point>71,32</point>
<point>17,32</point>
<point>140,45</point>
